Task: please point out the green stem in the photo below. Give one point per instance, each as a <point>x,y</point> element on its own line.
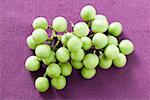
<point>89,24</point>
<point>49,39</point>
<point>91,35</point>
<point>56,44</point>
<point>94,51</point>
<point>50,27</point>
<point>72,24</point>
<point>44,74</point>
<point>53,33</point>
<point>52,36</point>
<point>59,37</point>
<point>65,31</point>
<point>100,53</point>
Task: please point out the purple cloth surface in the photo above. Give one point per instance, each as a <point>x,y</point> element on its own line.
<point>130,83</point>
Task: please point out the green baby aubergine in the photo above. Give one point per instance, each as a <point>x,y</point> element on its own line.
<point>32,63</point>
<point>62,54</point>
<point>31,43</point>
<point>81,29</point>
<point>76,64</point>
<point>59,82</point>
<point>111,52</point>
<point>42,84</point>
<point>88,13</point>
<point>90,61</point>
<point>120,61</point>
<point>40,22</point>
<point>39,36</point>
<point>74,44</point>
<point>59,24</point>
<point>43,51</point>
<point>115,28</point>
<point>126,47</point>
<point>66,68</point>
<point>87,43</point>
<point>53,70</point>
<point>104,63</point>
<point>88,73</point>
<point>99,40</point>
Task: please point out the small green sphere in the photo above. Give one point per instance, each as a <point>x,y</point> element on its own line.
<point>66,68</point>
<point>31,43</point>
<point>111,51</point>
<point>59,82</point>
<point>76,64</point>
<point>59,24</point>
<point>78,55</point>
<point>62,54</point>
<point>104,63</point>
<point>50,59</point>
<point>88,73</point>
<point>99,40</point>
<point>43,51</point>
<point>126,47</point>
<point>81,29</point>
<point>115,28</point>
<point>99,26</point>
<point>100,16</point>
<point>120,61</point>
<point>87,43</point>
<point>88,13</point>
<point>39,36</point>
<point>65,37</point>
<point>90,61</point>
<point>74,44</point>
<point>32,63</point>
<point>53,70</point>
<point>40,22</point>
<point>112,40</point>
<point>42,84</point>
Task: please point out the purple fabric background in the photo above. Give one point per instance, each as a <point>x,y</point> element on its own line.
<point>129,83</point>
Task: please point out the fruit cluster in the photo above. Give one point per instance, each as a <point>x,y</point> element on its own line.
<point>92,42</point>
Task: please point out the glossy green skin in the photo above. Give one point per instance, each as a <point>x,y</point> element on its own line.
<point>99,40</point>
<point>50,59</point>
<point>100,16</point>
<point>99,26</point>
<point>62,54</point>
<point>112,40</point>
<point>81,29</point>
<point>53,70</point>
<point>90,61</point>
<point>88,73</point>
<point>111,51</point>
<point>88,13</point>
<point>78,56</point>
<point>87,43</point>
<point>59,24</point>
<point>32,63</point>
<point>31,43</point>
<point>65,38</point>
<point>126,47</point>
<point>39,36</point>
<point>120,61</point>
<point>66,68</point>
<point>115,28</point>
<point>42,84</point>
<point>104,63</point>
<point>43,51</point>
<point>59,82</point>
<point>40,22</point>
<point>76,64</point>
<point>74,44</point>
